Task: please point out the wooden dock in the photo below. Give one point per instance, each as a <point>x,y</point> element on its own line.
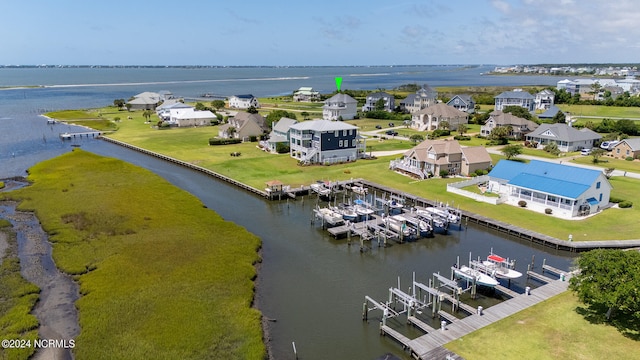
<point>539,277</point>
<point>506,291</point>
<point>385,330</point>
<point>426,346</point>
<point>420,324</point>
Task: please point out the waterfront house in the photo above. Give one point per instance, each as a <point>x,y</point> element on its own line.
<point>192,117</point>
<point>626,148</point>
<point>517,97</point>
<point>423,98</point>
<point>566,137</point>
<point>388,101</point>
<point>519,126</point>
<point>306,94</point>
<point>463,103</point>
<point>430,118</point>
<point>431,157</point>
<point>568,191</point>
<point>145,101</point>
<point>545,99</point>
<point>340,107</point>
<point>325,142</point>
<point>279,134</point>
<point>164,110</point>
<point>243,101</point>
<point>243,126</point>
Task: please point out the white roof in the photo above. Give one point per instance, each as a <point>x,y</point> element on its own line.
<point>323,125</point>
<point>195,114</point>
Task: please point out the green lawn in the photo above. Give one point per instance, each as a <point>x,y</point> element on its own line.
<point>609,162</point>
<point>553,329</point>
<point>161,276</point>
<point>255,167</point>
<point>602,111</point>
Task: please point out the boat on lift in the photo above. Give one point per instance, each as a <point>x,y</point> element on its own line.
<point>480,278</point>
<point>501,267</point>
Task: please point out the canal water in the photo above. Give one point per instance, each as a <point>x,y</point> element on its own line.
<point>310,285</point>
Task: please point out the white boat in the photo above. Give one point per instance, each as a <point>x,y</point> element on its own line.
<point>360,190</point>
<point>347,212</point>
<point>428,217</point>
<point>470,274</point>
<point>320,188</point>
<point>394,205</point>
<point>501,267</point>
<point>330,216</point>
<point>443,214</point>
<point>398,224</point>
<point>362,208</point>
<point>424,228</point>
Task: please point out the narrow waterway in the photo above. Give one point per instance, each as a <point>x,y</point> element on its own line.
<point>311,285</point>
<point>55,309</point>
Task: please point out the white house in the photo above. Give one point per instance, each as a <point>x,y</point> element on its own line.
<point>340,107</point>
<point>423,98</point>
<point>517,97</point>
<point>193,117</point>
<point>569,191</point>
<point>145,101</point>
<point>306,94</point>
<point>545,99</point>
<point>325,142</point>
<point>243,101</point>
<point>372,100</point>
<point>164,110</point>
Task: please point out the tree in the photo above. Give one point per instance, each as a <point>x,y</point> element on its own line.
<point>305,115</point>
<point>596,154</point>
<point>462,129</point>
<point>231,131</point>
<point>380,105</point>
<point>518,111</point>
<point>276,115</point>
<point>511,151</point>
<point>559,117</point>
<point>416,137</point>
<point>147,114</point>
<point>200,106</point>
<point>608,282</point>
<point>444,124</point>
<point>217,104</point>
<point>252,110</point>
<point>119,103</point>
<point>500,133</point>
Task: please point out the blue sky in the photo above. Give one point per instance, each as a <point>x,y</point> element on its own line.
<point>328,32</point>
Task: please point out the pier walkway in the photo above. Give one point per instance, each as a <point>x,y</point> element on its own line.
<point>429,345</point>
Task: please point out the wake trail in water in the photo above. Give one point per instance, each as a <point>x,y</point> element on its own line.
<point>179,82</point>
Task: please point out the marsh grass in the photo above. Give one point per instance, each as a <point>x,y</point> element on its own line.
<point>17,299</point>
<point>553,329</point>
<point>160,276</point>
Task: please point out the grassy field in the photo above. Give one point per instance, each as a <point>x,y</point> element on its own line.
<point>602,111</point>
<point>255,167</point>
<point>160,276</point>
<point>609,162</point>
<point>553,329</point>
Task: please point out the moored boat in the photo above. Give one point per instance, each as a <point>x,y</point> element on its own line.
<point>470,274</point>
<point>501,267</point>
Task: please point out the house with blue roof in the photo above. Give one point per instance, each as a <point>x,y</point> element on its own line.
<point>569,191</point>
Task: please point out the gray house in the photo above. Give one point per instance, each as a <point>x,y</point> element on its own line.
<point>279,134</point>
<point>374,98</point>
<point>519,126</point>
<point>566,137</point>
<point>423,98</point>
<point>463,103</point>
<point>517,97</point>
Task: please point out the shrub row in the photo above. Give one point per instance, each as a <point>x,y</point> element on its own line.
<point>219,141</point>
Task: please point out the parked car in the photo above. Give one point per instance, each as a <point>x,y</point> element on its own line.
<point>608,145</point>
<point>585,152</point>
<point>378,127</point>
<point>391,125</point>
<point>391,132</point>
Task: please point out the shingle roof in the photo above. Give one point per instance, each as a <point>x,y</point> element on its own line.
<point>548,177</point>
<point>284,124</point>
<point>634,143</point>
<point>503,119</point>
<point>550,113</point>
<point>564,132</point>
<point>515,95</point>
<point>340,98</point>
<point>443,110</point>
<point>476,154</point>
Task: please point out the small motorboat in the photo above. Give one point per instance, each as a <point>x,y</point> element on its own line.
<point>470,274</point>
<point>501,267</point>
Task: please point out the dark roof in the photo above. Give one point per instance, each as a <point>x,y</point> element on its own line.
<point>245,96</point>
<point>550,113</point>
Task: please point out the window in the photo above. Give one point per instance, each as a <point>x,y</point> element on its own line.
<point>340,143</point>
<point>344,132</point>
<point>337,132</point>
<point>600,197</point>
<point>598,185</point>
